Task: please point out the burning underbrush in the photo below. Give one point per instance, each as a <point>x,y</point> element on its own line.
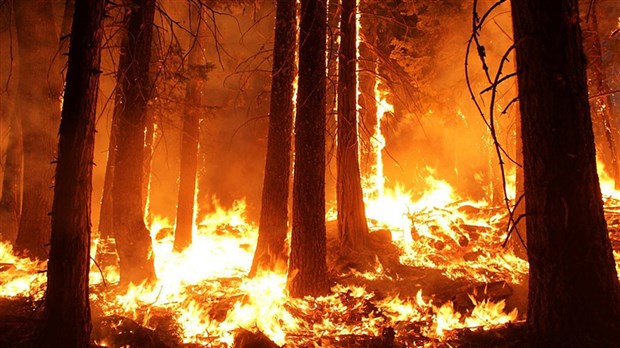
<point>437,277</point>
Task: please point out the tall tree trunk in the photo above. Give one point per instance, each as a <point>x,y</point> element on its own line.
<point>149,140</point>
<point>352,225</point>
<point>38,105</point>
<point>10,204</point>
<point>307,265</point>
<point>10,126</point>
<point>133,240</point>
<point>65,26</point>
<point>519,236</point>
<point>191,134</point>
<point>106,210</point>
<point>273,226</point>
<point>106,247</point>
<point>597,85</point>
<point>205,205</point>
<point>574,294</point>
<point>67,321</point>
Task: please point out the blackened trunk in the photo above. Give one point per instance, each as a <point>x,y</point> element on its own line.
<point>518,238</point>
<point>10,204</point>
<point>67,321</point>
<point>132,237</point>
<point>106,246</point>
<point>600,107</point>
<point>574,295</point>
<point>38,106</point>
<point>273,226</point>
<point>149,139</point>
<point>65,26</point>
<point>205,205</point>
<point>190,137</point>
<point>307,265</point>
<point>352,225</point>
<point>106,210</point>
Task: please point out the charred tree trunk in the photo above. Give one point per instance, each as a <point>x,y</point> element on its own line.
<point>518,238</point>
<point>38,106</point>
<point>106,210</point>
<point>597,85</point>
<point>149,140</point>
<point>205,205</point>
<point>67,321</point>
<point>10,126</point>
<point>307,265</point>
<point>191,134</point>
<point>65,26</point>
<point>574,294</point>
<point>10,204</point>
<point>273,226</point>
<point>352,225</point>
<point>133,240</point>
<point>106,247</point>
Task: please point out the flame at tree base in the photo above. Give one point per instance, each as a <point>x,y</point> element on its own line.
<point>205,297</point>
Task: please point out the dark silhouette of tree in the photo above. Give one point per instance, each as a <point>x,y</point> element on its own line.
<point>197,69</point>
<point>133,240</point>
<point>307,265</point>
<point>67,321</point>
<point>352,226</point>
<point>10,125</point>
<point>38,106</point>
<point>574,294</point>
<point>10,203</point>
<point>604,123</point>
<point>106,212</point>
<point>273,226</point>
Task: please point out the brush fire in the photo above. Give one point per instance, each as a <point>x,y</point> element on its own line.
<point>330,173</point>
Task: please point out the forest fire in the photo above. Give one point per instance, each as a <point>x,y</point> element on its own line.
<point>204,289</point>
<point>309,174</point>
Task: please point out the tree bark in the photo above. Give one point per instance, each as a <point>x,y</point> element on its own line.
<point>67,321</point>
<point>307,265</point>
<point>133,240</point>
<point>273,225</point>
<point>574,294</point>
<point>352,225</point>
<point>10,204</point>
<point>38,104</point>
<point>105,213</point>
<point>190,136</point>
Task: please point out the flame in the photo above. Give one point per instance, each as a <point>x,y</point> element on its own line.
<point>20,276</point>
<point>608,184</point>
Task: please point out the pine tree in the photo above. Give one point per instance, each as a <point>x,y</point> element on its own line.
<point>273,225</point>
<point>67,321</point>
<point>574,294</point>
<point>307,264</point>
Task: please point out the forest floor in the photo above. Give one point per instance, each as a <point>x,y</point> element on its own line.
<point>381,272</point>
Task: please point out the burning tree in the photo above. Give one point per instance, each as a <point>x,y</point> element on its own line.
<point>133,240</point>
<point>601,104</point>
<point>307,266</point>
<point>574,294</point>
<point>197,68</point>
<point>273,224</point>
<point>352,226</point>
<point>67,321</point>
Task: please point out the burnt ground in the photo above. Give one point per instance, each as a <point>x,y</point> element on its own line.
<point>20,316</point>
